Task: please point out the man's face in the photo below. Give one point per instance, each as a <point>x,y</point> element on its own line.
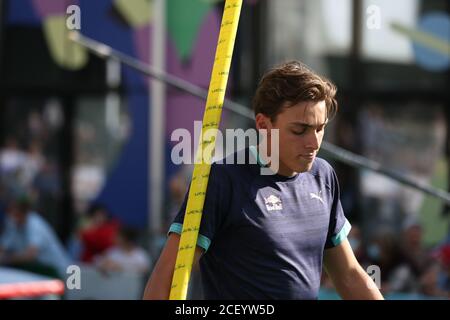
<point>301,129</point>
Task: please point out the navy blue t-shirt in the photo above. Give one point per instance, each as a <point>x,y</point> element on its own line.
<point>264,235</point>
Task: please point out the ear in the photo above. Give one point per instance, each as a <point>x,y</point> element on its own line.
<point>262,122</point>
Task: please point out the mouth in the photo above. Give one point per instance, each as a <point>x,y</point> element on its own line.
<point>308,156</point>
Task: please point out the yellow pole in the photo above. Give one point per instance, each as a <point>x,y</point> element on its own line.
<point>202,168</point>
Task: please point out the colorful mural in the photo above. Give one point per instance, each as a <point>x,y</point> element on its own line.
<point>192,27</point>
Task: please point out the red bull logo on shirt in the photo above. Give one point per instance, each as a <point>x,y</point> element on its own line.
<point>273,203</point>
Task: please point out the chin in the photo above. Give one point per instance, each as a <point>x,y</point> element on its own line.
<point>303,167</point>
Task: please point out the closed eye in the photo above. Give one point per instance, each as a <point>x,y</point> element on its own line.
<point>298,133</point>
<point>302,129</point>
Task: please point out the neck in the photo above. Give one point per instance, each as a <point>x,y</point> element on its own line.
<point>283,170</point>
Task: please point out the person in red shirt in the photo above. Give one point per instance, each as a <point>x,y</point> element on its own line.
<point>100,233</point>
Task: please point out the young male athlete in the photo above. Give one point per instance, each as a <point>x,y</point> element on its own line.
<point>268,236</point>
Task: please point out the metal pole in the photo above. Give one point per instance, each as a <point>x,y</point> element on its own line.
<point>156,131</point>
<point>335,152</point>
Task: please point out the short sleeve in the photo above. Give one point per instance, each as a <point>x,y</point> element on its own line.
<point>217,200</point>
<point>339,227</point>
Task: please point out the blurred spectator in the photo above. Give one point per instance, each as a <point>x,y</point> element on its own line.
<point>28,242</point>
<point>412,249</point>
<point>125,256</point>
<point>99,234</point>
<point>356,242</point>
<point>178,185</point>
<point>36,126</point>
<point>396,274</point>
<point>429,283</point>
<point>47,180</point>
<point>32,164</point>
<point>11,157</point>
<point>32,173</point>
<point>46,190</point>
<point>444,272</point>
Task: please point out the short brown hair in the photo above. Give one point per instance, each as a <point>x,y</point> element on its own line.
<point>292,83</point>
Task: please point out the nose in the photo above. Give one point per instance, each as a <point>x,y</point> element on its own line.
<point>313,141</point>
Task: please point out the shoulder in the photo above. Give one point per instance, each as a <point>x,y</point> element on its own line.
<point>321,166</point>
<point>230,174</point>
<point>323,170</point>
<point>234,165</point>
<point>36,221</point>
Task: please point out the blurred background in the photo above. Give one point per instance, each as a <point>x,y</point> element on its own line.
<point>85,141</point>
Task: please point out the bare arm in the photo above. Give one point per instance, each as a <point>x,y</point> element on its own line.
<point>349,278</point>
<point>28,255</point>
<point>158,286</point>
